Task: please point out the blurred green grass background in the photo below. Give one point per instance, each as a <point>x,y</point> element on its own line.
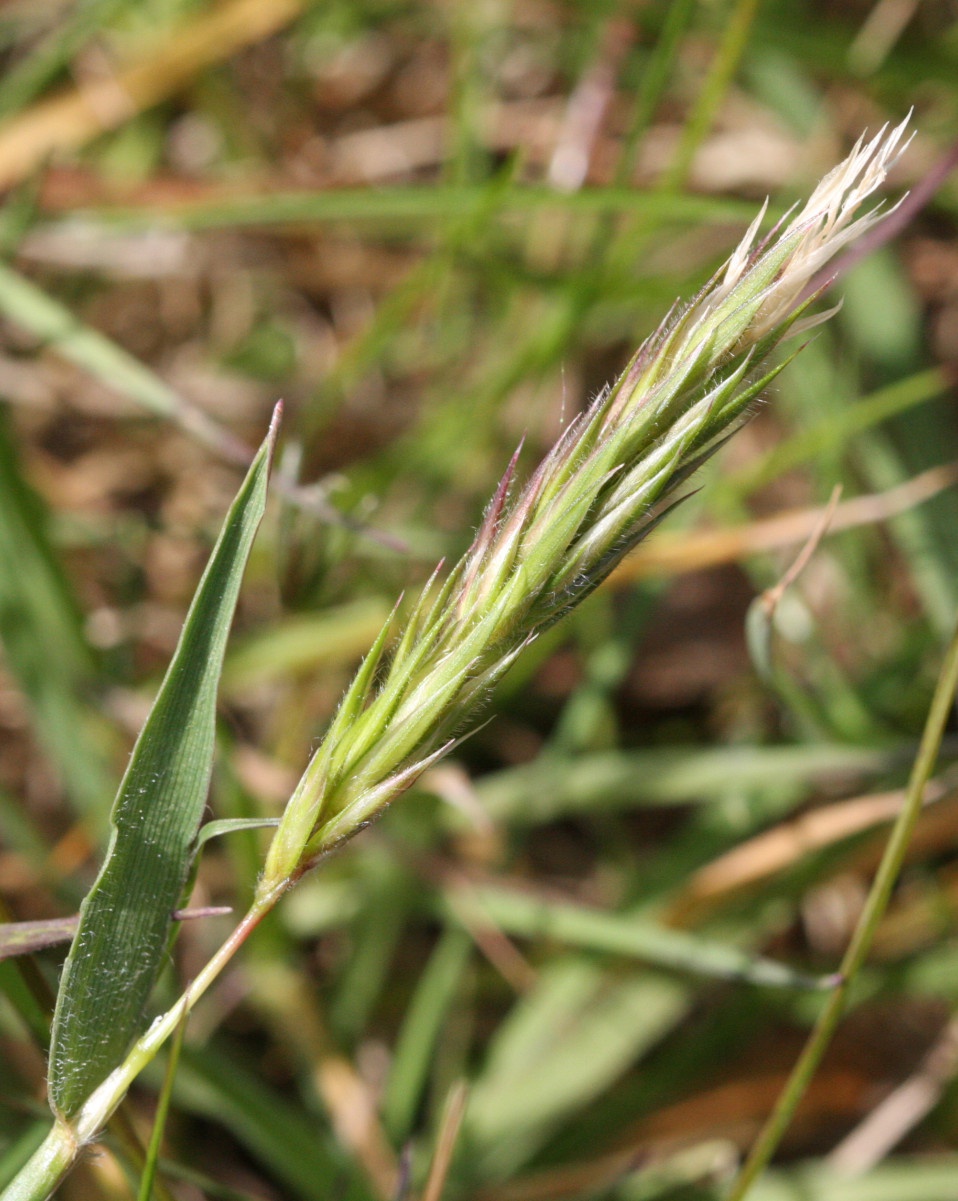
<point>435,229</point>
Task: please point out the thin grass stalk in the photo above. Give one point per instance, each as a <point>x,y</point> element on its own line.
<point>875,906</point>
<point>717,83</point>
<point>148,1177</point>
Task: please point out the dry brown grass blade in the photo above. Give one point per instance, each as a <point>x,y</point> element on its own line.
<point>901,1111</point>
<point>71,119</point>
<point>778,849</point>
<point>711,1124</point>
<point>452,1116</point>
<point>587,108</point>
<point>675,554</point>
<point>772,597</point>
<point>501,952</point>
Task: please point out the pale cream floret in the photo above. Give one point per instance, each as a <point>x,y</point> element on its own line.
<point>826,223</point>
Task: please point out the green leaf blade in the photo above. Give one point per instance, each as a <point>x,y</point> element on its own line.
<point>122,939</point>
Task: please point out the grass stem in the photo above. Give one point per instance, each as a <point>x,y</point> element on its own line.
<point>864,935</point>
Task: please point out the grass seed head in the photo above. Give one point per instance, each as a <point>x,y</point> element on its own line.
<point>600,489</point>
